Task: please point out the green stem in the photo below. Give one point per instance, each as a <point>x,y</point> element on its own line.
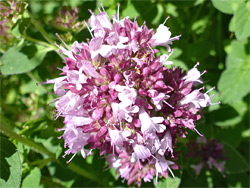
<point>53,47</point>
<point>39,42</point>
<point>6,130</point>
<point>41,163</point>
<point>40,29</point>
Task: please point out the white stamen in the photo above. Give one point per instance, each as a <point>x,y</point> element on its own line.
<point>150,48</point>
<point>171,53</point>
<point>58,115</point>
<point>156,179</point>
<point>91,12</point>
<point>216,103</point>
<point>85,53</point>
<point>89,30</point>
<point>168,104</point>
<point>198,63</point>
<point>102,7</point>
<point>118,9</point>
<point>171,172</point>
<point>57,45</point>
<point>203,73</point>
<point>62,41</point>
<point>59,68</point>
<point>71,158</point>
<point>166,20</point>
<point>139,164</point>
<point>210,90</point>
<point>201,88</point>
<point>198,132</point>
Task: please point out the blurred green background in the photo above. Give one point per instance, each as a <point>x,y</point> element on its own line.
<point>214,33</point>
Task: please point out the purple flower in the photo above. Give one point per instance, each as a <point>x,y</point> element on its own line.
<point>115,95</point>
<point>211,153</point>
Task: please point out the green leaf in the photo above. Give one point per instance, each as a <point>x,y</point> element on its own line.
<point>20,27</point>
<point>225,116</point>
<point>32,86</point>
<point>234,82</point>
<point>224,6</point>
<point>108,3</point>
<point>33,179</point>
<point>22,60</point>
<point>237,55</point>
<point>242,22</point>
<point>236,162</point>
<point>10,168</point>
<point>230,135</point>
<point>169,182</point>
<point>130,11</point>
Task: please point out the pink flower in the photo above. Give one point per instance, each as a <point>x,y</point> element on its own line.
<point>149,124</point>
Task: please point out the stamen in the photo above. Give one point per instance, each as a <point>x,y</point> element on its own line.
<point>139,164</point>
<point>89,29</point>
<point>197,64</point>
<point>216,103</point>
<point>166,20</point>
<point>99,10</point>
<point>198,132</point>
<point>118,9</point>
<point>102,7</point>
<point>171,53</point>
<point>57,45</point>
<point>59,68</point>
<point>63,41</point>
<point>156,179</point>
<point>171,172</point>
<point>210,90</point>
<point>150,48</point>
<point>91,12</point>
<point>203,73</point>
<point>135,19</point>
<point>168,104</point>
<point>86,57</point>
<point>201,88</point>
<point>71,159</point>
<point>175,38</point>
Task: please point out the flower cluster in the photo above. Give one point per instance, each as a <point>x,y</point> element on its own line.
<point>211,154</point>
<point>117,96</point>
<point>67,20</point>
<point>10,12</point>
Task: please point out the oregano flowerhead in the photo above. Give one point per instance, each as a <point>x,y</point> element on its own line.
<point>117,96</point>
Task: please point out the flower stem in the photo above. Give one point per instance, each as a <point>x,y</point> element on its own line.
<point>39,42</point>
<point>6,130</point>
<point>40,29</point>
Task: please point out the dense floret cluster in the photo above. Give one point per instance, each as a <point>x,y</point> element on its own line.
<point>117,96</point>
